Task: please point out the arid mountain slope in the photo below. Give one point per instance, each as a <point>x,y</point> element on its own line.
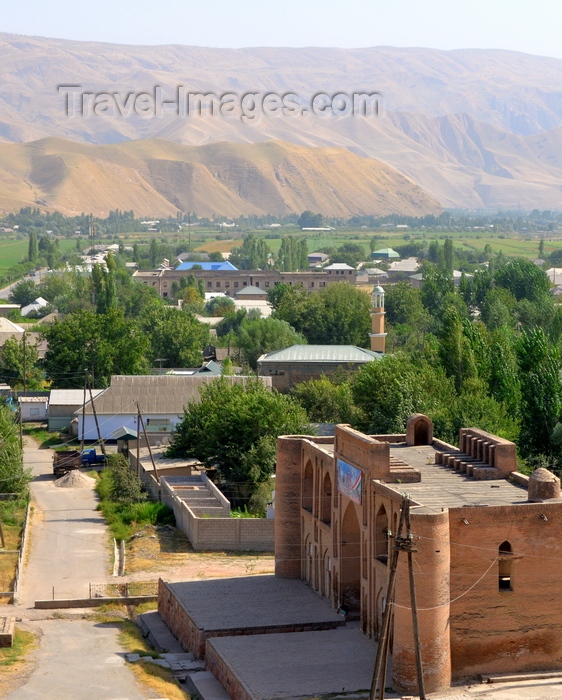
<point>466,126</point>
<point>160,177</point>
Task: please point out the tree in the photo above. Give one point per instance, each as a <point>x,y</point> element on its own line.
<point>176,337</point>
<point>326,400</point>
<point>234,428</point>
<point>14,357</point>
<point>24,293</point>
<point>336,315</point>
<point>309,219</point>
<point>105,344</point>
<point>263,335</point>
<point>448,256</point>
<point>216,256</point>
<point>32,251</point>
<point>523,279</point>
<point>220,306</point>
<point>339,315</point>
<point>252,255</point>
<point>126,486</point>
<point>13,477</point>
<point>541,391</point>
<point>389,390</point>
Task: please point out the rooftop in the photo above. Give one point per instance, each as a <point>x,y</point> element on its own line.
<point>321,353</point>
<point>157,394</point>
<point>253,601</point>
<point>250,289</point>
<point>385,253</point>
<point>7,326</point>
<point>441,487</point>
<point>339,266</point>
<point>214,266</point>
<point>70,397</point>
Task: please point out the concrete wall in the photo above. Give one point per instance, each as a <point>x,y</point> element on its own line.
<point>218,534</point>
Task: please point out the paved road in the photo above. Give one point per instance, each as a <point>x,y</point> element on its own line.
<point>79,660</point>
<point>68,545</point>
<point>5,293</point>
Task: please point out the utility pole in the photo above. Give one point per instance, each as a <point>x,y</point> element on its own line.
<point>84,410</point>
<point>102,446</point>
<point>20,427</point>
<point>140,421</point>
<point>189,231</point>
<point>401,544</point>
<point>24,364</point>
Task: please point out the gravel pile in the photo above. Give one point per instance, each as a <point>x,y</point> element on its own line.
<point>74,480</point>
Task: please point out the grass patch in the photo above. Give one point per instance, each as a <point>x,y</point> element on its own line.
<point>124,519</point>
<point>12,515</point>
<point>47,439</point>
<point>23,643</point>
<point>155,677</point>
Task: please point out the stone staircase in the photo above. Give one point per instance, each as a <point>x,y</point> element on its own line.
<point>196,494</point>
<point>466,464</point>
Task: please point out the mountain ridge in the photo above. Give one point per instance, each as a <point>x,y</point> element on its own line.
<point>474,128</point>
<point>159,177</point>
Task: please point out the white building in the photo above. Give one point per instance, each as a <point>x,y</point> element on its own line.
<point>162,399</point>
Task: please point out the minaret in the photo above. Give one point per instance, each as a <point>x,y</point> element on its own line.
<point>378,336</point>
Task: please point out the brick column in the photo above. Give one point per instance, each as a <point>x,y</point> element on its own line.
<point>433,595</point>
<point>288,547</point>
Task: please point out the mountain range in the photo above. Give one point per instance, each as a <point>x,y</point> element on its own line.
<point>471,128</point>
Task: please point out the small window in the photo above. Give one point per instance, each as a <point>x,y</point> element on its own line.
<point>165,294</point>
<point>34,411</point>
<point>236,284</point>
<point>267,284</point>
<point>209,285</point>
<point>226,285</point>
<point>312,284</point>
<point>505,567</point>
<point>217,284</point>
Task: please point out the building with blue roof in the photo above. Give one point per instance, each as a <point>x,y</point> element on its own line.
<point>213,266</point>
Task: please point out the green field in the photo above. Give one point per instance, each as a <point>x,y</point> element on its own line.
<point>13,252</point>
<point>511,245</point>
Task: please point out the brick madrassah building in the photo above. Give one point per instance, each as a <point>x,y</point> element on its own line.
<point>487,561</point>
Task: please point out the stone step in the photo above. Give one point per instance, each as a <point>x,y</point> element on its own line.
<point>205,686</point>
<point>156,631</point>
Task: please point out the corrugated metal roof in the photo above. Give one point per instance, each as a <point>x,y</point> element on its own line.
<point>321,353</point>
<point>251,290</point>
<point>7,326</point>
<point>70,397</point>
<point>215,266</point>
<point>165,394</point>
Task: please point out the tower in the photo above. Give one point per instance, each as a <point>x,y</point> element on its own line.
<point>378,336</point>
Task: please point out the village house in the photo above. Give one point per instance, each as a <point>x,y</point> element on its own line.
<point>162,399</point>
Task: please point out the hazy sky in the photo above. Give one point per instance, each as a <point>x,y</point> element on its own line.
<point>532,26</point>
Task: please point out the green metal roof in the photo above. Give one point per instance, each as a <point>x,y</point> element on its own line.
<point>321,353</point>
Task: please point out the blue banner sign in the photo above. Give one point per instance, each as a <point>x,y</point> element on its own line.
<point>349,481</point>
